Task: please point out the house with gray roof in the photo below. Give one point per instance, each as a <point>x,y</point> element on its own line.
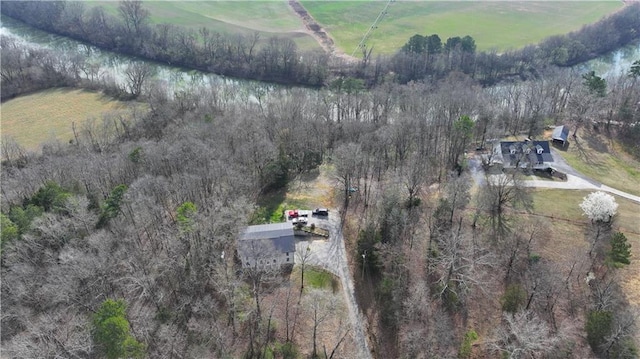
<point>522,154</point>
<point>267,246</point>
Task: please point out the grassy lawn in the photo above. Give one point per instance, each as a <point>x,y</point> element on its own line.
<point>269,18</point>
<point>569,226</point>
<point>527,22</point>
<point>315,277</point>
<point>33,119</point>
<point>595,156</point>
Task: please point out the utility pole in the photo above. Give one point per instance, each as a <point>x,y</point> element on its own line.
<point>362,45</point>
<point>364,257</point>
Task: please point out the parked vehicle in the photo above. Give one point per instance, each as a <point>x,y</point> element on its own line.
<point>293,213</point>
<point>320,212</point>
<point>300,220</point>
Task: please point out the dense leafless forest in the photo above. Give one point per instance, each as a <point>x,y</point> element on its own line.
<point>142,210</point>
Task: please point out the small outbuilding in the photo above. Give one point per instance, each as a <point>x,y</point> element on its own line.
<point>267,246</point>
<point>560,135</point>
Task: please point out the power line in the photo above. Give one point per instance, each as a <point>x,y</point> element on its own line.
<point>374,26</point>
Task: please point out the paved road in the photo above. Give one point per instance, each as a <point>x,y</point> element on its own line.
<point>575,179</point>
<point>331,255</point>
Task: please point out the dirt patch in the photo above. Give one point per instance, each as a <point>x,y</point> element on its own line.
<point>314,189</point>
<point>315,30</point>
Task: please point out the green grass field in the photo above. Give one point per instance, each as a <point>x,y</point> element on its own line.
<point>269,18</point>
<point>497,25</point>
<point>33,119</point>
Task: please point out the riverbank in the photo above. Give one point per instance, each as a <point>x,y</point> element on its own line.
<point>280,61</point>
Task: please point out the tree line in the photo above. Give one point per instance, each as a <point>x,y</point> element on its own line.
<point>423,58</point>
<point>273,59</point>
<point>426,57</point>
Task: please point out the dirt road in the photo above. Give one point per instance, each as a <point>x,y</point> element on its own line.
<point>314,29</point>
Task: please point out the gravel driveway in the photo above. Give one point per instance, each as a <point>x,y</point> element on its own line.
<point>330,254</point>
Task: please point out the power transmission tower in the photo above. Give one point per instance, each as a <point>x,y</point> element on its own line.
<point>373,26</point>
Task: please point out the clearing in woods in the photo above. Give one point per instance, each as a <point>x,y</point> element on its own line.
<point>33,119</point>
<point>310,190</point>
<point>499,25</point>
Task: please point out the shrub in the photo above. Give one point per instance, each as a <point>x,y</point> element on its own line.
<point>286,350</point>
<point>111,332</point>
<point>465,348</point>
<point>513,298</point>
<point>598,327</point>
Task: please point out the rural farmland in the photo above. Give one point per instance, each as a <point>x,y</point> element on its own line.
<point>346,22</point>
<point>267,18</point>
<point>499,25</point>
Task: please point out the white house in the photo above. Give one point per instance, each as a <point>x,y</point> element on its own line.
<point>267,246</point>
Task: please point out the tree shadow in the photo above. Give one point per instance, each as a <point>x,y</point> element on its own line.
<point>561,147</point>
<point>596,143</point>
<point>583,152</point>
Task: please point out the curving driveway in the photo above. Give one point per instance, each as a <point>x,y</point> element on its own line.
<point>575,179</point>
<point>331,255</point>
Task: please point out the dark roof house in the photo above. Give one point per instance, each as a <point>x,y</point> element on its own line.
<point>560,135</point>
<point>526,154</point>
<point>267,245</point>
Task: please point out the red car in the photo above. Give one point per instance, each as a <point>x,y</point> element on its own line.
<point>293,213</point>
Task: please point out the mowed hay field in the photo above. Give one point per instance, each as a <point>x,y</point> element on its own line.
<point>33,119</point>
<point>499,25</point>
<point>268,18</point>
<point>561,210</point>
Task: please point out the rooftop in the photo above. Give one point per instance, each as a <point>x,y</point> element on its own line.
<point>280,234</point>
<point>560,133</point>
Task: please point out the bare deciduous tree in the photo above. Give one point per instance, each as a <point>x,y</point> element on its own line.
<point>137,75</point>
<point>524,335</point>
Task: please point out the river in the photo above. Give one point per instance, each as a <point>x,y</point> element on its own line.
<point>112,64</point>
<point>175,78</point>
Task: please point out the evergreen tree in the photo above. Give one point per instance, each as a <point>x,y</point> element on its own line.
<point>596,84</point>
<point>111,207</point>
<point>620,252</point>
